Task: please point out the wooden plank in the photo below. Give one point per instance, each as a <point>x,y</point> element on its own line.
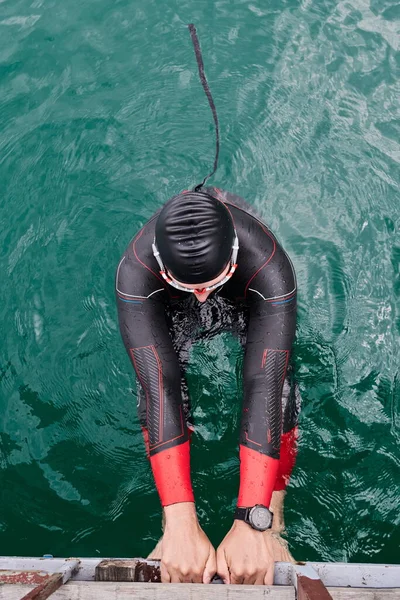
<point>361,575</point>
<point>116,570</point>
<point>128,570</point>
<point>23,577</point>
<point>364,594</point>
<point>308,584</point>
<point>355,574</point>
<point>85,590</point>
<point>44,590</point>
<point>26,566</point>
<point>311,589</point>
<point>331,574</point>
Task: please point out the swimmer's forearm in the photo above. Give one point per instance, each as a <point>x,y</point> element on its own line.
<point>171,470</point>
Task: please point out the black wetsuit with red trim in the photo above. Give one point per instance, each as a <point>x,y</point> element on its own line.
<point>158,325</point>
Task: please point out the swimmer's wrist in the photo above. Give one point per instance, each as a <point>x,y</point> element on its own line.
<point>276,507</point>
<point>180,512</point>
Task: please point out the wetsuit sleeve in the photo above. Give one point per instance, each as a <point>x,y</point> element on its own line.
<point>287,459</point>
<point>146,337</point>
<point>272,300</point>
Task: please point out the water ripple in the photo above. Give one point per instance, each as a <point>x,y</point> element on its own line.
<point>102,119</point>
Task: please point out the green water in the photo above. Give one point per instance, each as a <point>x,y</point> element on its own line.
<point>102,119</point>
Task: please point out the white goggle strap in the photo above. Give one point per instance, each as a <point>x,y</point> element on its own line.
<point>157,255</point>
<point>235,249</point>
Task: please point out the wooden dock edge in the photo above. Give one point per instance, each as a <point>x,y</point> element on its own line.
<point>89,590</point>
<point>120,579</point>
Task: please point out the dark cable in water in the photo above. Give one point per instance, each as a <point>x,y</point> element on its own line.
<point>206,88</point>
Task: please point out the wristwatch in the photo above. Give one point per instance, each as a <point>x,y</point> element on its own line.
<point>259,517</point>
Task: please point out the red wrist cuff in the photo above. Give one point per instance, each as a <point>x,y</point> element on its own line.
<point>171,470</point>
<point>257,477</point>
<point>287,459</point>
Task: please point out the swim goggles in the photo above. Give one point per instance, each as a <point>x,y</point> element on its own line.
<point>210,288</point>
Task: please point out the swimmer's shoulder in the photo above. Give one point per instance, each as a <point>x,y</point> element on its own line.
<point>264,268</point>
<point>137,275</point>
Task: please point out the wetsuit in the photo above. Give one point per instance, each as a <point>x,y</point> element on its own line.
<point>158,325</point>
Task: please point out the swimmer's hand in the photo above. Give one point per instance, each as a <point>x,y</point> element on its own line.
<point>187,554</point>
<point>248,556</point>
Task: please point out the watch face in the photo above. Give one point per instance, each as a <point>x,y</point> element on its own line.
<point>260,518</point>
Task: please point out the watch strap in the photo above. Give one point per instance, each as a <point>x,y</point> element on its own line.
<point>241,514</point>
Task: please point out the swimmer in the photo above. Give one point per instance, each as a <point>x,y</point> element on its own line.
<point>203,264</point>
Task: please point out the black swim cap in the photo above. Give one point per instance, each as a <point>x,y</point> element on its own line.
<point>194,236</point>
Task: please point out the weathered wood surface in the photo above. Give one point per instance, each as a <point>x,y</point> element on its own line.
<point>308,584</point>
<point>45,589</point>
<point>85,590</point>
<point>116,570</point>
<point>25,569</point>
<point>311,589</point>
<point>356,575</point>
<point>364,594</point>
<point>128,570</point>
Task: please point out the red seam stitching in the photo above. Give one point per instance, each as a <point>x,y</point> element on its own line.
<point>130,295</point>
<point>148,268</point>
<point>286,296</point>
<point>141,347</point>
<point>138,259</point>
<point>142,263</point>
<point>163,443</point>
<point>264,358</point>
<point>265,264</point>
<point>252,441</point>
<point>152,447</point>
